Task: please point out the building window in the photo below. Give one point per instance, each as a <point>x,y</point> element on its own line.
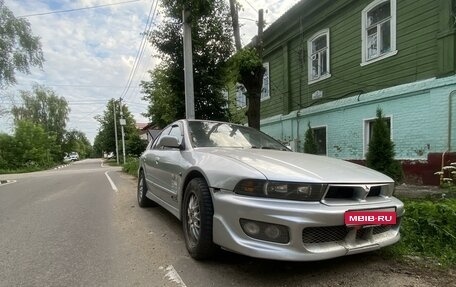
<point>368,131</point>
<point>378,31</point>
<point>320,139</point>
<point>318,53</point>
<point>241,100</point>
<point>265,89</point>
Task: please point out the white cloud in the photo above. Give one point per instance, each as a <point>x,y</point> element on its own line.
<point>248,16</point>
<point>89,53</point>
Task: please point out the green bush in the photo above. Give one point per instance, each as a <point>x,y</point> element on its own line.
<point>131,166</point>
<point>310,144</point>
<point>429,230</point>
<point>380,154</point>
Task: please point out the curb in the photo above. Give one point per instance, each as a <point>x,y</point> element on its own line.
<point>61,166</point>
<point>5,181</point>
<point>418,191</point>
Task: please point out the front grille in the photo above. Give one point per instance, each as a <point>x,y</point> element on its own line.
<point>374,191</point>
<point>341,192</point>
<point>354,192</point>
<point>362,233</point>
<point>324,234</point>
<point>338,233</point>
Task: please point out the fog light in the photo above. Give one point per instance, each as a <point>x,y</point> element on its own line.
<point>251,228</point>
<point>272,232</point>
<point>265,231</point>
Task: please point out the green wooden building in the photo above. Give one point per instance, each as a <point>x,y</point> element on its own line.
<point>332,63</point>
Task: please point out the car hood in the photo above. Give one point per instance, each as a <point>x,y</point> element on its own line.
<point>301,167</point>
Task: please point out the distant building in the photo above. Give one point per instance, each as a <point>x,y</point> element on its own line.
<point>147,131</point>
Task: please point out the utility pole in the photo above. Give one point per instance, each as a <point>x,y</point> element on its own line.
<point>115,129</point>
<point>188,66</point>
<point>260,33</point>
<point>122,123</point>
<point>235,20</point>
<point>254,82</point>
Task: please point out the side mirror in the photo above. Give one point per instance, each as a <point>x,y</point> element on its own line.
<point>169,141</point>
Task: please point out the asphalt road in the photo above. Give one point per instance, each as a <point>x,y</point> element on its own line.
<point>72,227</point>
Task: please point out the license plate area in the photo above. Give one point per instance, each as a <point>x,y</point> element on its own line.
<point>370,217</point>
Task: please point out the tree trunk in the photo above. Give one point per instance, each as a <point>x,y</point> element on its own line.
<point>253,82</point>
<point>253,111</point>
<point>235,20</point>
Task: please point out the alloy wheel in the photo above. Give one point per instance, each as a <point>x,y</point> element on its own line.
<point>194,218</point>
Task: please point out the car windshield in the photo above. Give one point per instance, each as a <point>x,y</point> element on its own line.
<point>215,134</point>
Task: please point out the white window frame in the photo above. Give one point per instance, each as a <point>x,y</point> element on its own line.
<point>366,131</point>
<point>266,93</point>
<point>241,99</point>
<point>326,132</point>
<point>309,56</point>
<point>393,20</point>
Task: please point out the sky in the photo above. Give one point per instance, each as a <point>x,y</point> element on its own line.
<point>90,52</point>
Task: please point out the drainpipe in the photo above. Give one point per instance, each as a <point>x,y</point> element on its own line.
<point>298,114</point>
<point>450,106</point>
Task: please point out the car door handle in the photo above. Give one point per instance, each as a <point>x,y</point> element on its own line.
<point>157,159</point>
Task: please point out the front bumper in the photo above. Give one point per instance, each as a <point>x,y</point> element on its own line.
<point>316,230</point>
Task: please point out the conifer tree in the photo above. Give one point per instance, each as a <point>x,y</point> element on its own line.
<point>310,144</point>
<point>380,154</point>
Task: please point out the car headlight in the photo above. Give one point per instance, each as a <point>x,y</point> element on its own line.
<point>281,190</point>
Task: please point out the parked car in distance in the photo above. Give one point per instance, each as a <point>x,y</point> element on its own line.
<point>66,158</point>
<point>74,156</point>
<point>237,188</point>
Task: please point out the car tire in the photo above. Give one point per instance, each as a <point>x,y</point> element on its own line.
<point>197,220</point>
<point>143,200</point>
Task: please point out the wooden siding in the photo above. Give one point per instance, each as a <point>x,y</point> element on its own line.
<point>273,105</point>
<point>416,42</point>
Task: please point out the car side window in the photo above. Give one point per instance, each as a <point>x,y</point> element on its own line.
<point>176,132</point>
<point>165,132</point>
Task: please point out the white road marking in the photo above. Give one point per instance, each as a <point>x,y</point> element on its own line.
<point>113,186</point>
<point>173,276</point>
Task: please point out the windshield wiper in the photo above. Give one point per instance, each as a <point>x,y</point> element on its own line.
<point>267,147</point>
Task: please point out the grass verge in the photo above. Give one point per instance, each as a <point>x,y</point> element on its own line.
<point>428,231</point>
<point>131,166</point>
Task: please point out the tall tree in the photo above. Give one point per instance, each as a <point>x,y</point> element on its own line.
<point>105,139</point>
<point>33,145</point>
<point>249,71</point>
<point>212,46</point>
<point>77,141</point>
<point>19,48</point>
<point>43,106</point>
<point>164,105</point>
<point>7,156</point>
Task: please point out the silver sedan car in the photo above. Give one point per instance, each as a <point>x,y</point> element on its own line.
<point>236,188</point>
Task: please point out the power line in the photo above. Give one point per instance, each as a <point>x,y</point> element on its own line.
<point>253,20</point>
<point>71,86</point>
<point>251,6</point>
<point>77,9</point>
<point>152,13</point>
